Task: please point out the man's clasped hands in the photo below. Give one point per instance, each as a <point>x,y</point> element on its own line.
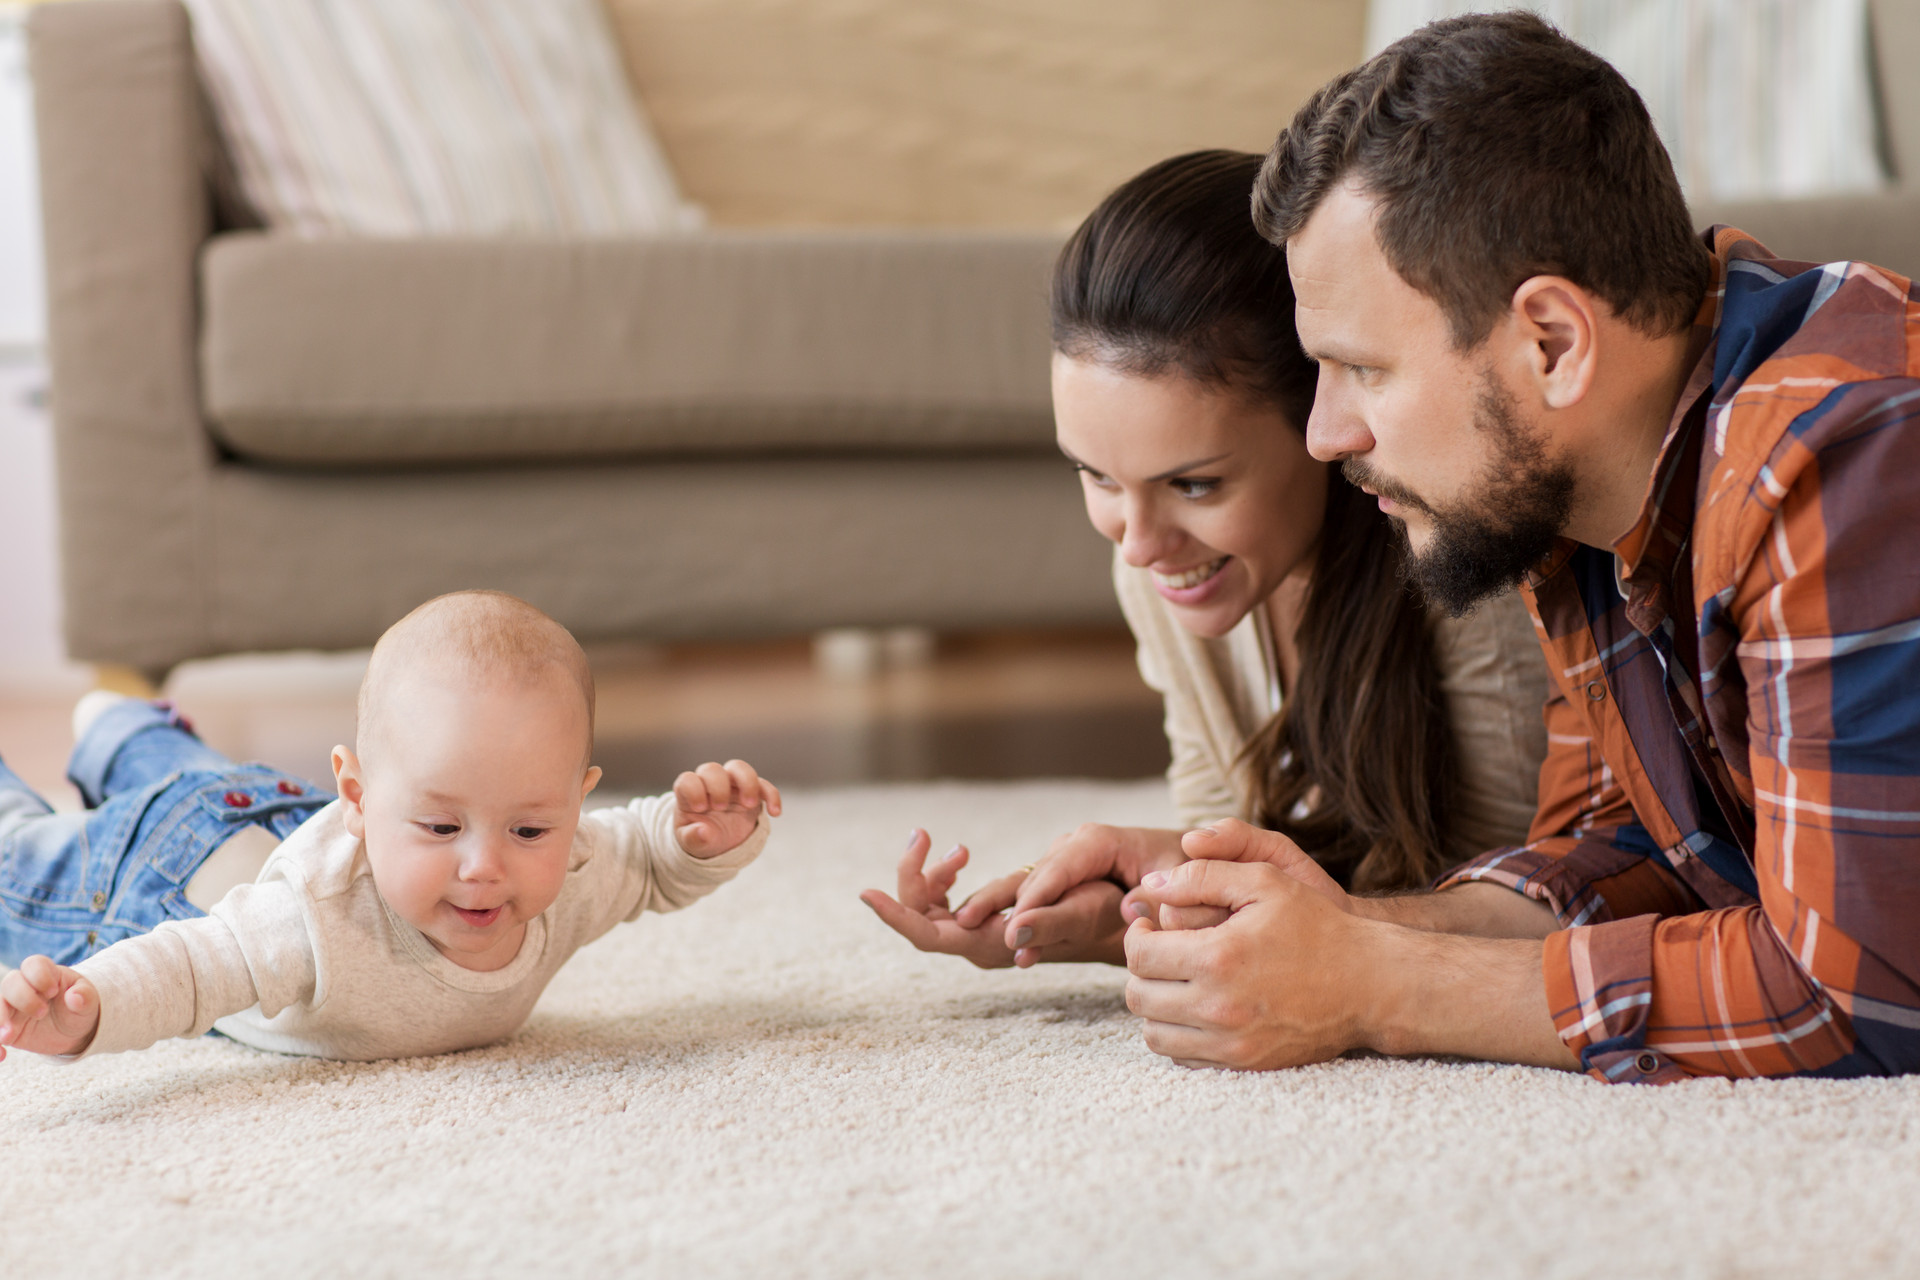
<point>1238,944</point>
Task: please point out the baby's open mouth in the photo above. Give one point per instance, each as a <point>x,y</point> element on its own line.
<point>478,919</point>
<point>1192,577</point>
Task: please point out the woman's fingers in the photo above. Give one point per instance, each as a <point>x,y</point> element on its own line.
<point>990,899</point>
<point>941,875</point>
<point>909,924</point>
<point>912,881</point>
<point>1087,853</point>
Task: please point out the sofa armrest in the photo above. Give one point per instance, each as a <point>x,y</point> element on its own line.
<point>126,209</point>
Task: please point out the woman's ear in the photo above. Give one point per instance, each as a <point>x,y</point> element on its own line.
<point>1558,321</point>
<point>352,790</point>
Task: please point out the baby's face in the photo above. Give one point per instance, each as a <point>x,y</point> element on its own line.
<point>468,802</point>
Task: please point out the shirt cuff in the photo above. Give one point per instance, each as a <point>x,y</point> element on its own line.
<point>1585,879</point>
<point>1600,989</point>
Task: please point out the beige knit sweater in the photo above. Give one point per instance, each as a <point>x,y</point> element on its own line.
<point>1220,692</point>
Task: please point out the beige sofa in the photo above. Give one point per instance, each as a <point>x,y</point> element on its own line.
<point>266,443</point>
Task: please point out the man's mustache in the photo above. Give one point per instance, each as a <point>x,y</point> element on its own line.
<point>1361,476</point>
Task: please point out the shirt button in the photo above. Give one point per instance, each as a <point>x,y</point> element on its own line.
<point>1647,1063</point>
<point>288,789</point>
<point>1596,690</point>
<point>237,799</point>
<point>99,902</point>
<point>93,938</point>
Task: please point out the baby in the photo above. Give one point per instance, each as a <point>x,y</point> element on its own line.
<point>423,911</point>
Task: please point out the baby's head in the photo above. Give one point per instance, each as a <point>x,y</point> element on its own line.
<point>476,724</point>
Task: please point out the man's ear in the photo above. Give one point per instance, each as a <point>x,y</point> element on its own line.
<point>352,790</point>
<point>1558,321</point>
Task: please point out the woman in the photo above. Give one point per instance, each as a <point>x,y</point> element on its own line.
<point>1307,689</point>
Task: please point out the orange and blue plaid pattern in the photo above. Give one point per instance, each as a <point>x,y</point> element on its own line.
<point>1729,823</point>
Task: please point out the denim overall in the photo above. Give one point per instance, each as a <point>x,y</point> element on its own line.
<point>159,802</point>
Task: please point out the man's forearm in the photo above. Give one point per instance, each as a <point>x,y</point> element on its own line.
<point>1478,910</point>
<point>1472,997</point>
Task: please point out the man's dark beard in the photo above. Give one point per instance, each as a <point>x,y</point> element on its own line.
<point>1482,547</point>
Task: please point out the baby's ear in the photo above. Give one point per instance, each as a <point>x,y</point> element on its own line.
<point>346,781</point>
<point>592,781</point>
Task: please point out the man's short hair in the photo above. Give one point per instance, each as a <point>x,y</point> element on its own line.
<point>1497,150</point>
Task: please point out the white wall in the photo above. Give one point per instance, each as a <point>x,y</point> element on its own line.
<point>30,649</point>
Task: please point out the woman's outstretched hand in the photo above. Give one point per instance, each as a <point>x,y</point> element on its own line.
<point>921,915</point>
<point>1083,925</point>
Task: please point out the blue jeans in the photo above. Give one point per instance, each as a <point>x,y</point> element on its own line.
<point>159,801</point>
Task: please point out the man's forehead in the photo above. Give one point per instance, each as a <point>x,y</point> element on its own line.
<point>1337,248</point>
<point>1350,302</point>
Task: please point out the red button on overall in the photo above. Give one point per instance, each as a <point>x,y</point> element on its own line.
<point>288,789</point>
<point>238,799</point>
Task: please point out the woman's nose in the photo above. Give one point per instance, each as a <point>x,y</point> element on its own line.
<point>1145,538</point>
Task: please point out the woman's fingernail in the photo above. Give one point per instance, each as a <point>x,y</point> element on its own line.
<point>1023,935</point>
<point>912,836</point>
<point>952,854</point>
<point>1157,880</point>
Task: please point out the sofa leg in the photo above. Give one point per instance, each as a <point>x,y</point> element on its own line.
<point>131,681</point>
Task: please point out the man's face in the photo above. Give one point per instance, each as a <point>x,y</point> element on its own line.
<point>1437,434</point>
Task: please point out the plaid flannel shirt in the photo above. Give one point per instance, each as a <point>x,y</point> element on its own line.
<point>1729,822</point>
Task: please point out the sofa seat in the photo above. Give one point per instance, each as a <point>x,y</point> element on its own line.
<point>356,353</point>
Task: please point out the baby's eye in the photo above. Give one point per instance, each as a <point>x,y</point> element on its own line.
<point>442,828</point>
<point>530,833</point>
<point>1193,488</point>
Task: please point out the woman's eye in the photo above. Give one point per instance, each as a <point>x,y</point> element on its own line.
<point>1194,488</point>
<point>1093,475</point>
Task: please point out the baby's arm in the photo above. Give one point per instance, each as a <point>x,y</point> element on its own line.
<point>47,1008</point>
<point>665,852</point>
<point>184,976</point>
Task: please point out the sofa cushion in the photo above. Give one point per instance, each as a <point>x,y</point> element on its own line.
<point>420,117</point>
<point>356,352</point>
<point>1881,229</point>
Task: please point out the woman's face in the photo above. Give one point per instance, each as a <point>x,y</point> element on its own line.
<point>1211,491</point>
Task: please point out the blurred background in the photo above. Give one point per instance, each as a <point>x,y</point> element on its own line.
<point>952,123</point>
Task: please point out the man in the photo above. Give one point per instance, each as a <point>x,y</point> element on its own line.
<point>1703,467</point>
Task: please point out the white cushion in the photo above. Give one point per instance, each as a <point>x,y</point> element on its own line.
<point>433,117</point>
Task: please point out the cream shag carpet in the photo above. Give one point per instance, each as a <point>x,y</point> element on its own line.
<point>771,1084</point>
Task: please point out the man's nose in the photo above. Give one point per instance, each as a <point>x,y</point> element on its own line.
<point>1335,432</point>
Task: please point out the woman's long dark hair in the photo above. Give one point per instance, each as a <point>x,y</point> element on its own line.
<point>1169,275</point>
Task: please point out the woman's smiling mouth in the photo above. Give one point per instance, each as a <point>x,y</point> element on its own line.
<point>1189,578</point>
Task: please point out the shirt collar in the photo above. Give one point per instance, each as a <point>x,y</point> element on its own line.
<point>1652,543</point>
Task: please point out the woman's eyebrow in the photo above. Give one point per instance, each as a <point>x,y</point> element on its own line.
<point>1186,467</point>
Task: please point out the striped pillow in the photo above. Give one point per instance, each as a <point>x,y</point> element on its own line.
<point>433,117</point>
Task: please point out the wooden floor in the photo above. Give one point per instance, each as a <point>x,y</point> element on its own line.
<point>990,706</point>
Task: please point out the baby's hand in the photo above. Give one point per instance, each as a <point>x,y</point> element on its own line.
<point>717,806</point>
<point>46,1008</point>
